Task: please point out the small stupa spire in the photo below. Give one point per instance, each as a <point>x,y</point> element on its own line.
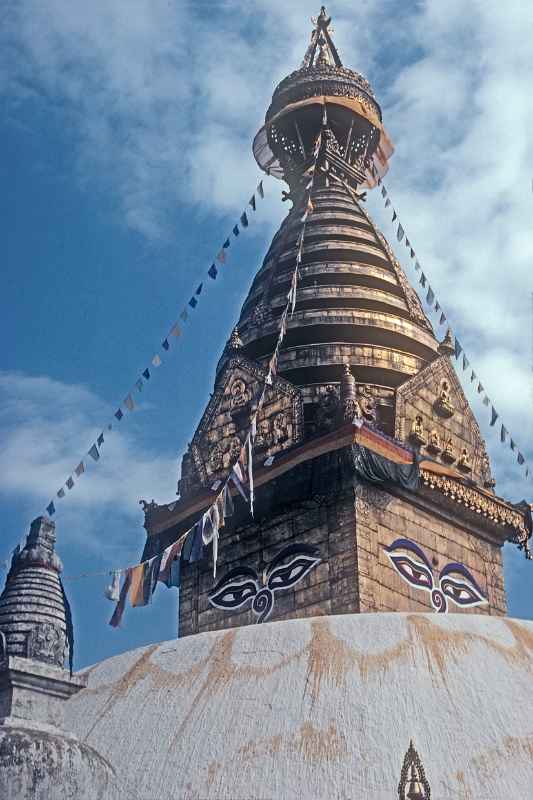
<point>321,50</point>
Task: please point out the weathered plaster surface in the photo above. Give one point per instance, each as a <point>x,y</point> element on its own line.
<point>320,708</point>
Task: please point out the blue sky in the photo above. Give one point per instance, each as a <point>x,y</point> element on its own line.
<point>125,161</point>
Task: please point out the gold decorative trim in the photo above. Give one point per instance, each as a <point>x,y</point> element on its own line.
<point>476,501</point>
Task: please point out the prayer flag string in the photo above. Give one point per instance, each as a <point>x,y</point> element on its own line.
<point>129,403</point>
<point>459,353</point>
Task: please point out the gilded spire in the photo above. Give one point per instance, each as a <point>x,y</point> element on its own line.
<point>321,50</point>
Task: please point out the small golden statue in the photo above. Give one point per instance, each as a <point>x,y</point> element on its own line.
<point>434,441</point>
<point>448,454</point>
<point>443,405</point>
<point>417,431</point>
<point>464,461</point>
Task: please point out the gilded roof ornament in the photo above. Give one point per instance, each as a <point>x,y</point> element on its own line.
<point>446,347</point>
<point>321,40</point>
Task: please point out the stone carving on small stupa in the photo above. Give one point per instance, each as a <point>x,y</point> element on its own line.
<point>413,782</point>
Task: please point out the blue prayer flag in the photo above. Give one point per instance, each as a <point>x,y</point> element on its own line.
<point>146,374</point>
<point>212,272</point>
<point>93,452</point>
<point>51,508</point>
<point>119,414</point>
<point>244,219</point>
<point>193,302</point>
<point>199,289</point>
<point>165,345</point>
<point>236,230</point>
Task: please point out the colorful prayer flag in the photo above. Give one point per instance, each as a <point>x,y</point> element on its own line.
<point>143,581</point>
<point>129,403</point>
<point>184,315</point>
<point>112,592</point>
<point>156,361</point>
<point>119,610</point>
<point>93,452</point>
<point>139,385</point>
<point>175,330</point>
<point>221,256</point>
<point>212,271</point>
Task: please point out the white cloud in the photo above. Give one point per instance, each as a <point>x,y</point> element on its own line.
<point>45,426</point>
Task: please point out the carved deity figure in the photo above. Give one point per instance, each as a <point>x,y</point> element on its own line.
<point>443,404</point>
<point>326,412</point>
<point>448,454</point>
<point>232,452</point>
<point>434,441</point>
<point>417,430</point>
<point>464,460</point>
<point>263,437</point>
<point>239,394</point>
<point>367,404</point>
<point>280,428</point>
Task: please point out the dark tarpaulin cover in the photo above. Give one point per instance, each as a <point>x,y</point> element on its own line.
<point>377,469</point>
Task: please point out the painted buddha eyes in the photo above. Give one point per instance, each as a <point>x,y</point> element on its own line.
<point>291,573</point>
<point>243,583</point>
<point>462,591</point>
<point>233,594</point>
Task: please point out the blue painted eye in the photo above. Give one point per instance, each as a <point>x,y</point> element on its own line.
<point>234,595</point>
<point>465,592</point>
<point>414,572</point>
<point>461,593</point>
<point>289,574</point>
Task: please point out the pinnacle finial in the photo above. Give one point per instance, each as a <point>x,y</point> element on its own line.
<point>446,347</point>
<point>321,50</point>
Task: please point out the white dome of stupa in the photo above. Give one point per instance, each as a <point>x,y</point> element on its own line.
<point>320,708</point>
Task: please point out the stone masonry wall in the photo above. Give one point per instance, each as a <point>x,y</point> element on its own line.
<point>329,588</point>
<point>382,518</point>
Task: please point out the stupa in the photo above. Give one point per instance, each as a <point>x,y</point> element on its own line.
<point>373,493</point>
